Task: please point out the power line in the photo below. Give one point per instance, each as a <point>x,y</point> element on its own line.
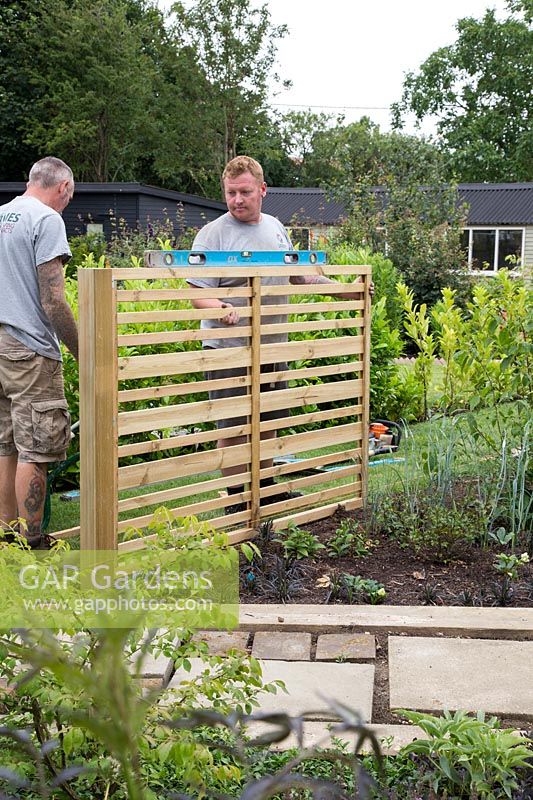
<point>345,108</point>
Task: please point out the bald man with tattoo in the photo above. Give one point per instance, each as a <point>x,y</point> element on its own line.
<point>34,315</point>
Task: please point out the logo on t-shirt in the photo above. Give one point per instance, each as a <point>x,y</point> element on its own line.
<point>8,220</point>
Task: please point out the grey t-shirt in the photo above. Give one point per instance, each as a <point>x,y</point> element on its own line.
<point>227,233</point>
<point>31,233</point>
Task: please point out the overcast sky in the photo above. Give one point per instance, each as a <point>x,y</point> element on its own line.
<point>353,54</point>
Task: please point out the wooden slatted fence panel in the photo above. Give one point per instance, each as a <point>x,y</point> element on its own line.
<point>318,438</point>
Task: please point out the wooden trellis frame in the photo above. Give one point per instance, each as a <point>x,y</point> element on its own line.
<point>339,405</point>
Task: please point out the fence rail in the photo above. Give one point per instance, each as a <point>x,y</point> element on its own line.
<point>155,442</point>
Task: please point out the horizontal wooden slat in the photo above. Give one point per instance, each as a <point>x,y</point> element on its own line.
<point>311,440</point>
<point>149,419</point>
<point>171,315</point>
<point>189,335</point>
<point>294,309</point>
<point>295,484</point>
<point>246,270</point>
<point>180,389</point>
<point>314,325</point>
<point>196,361</point>
<point>67,533</point>
<point>181,363</point>
<point>172,273</point>
<point>182,466</point>
<point>313,514</point>
<point>183,440</point>
<point>312,462</point>
<point>347,490</point>
<point>153,295</point>
<point>237,271</point>
<point>328,289</point>
<point>296,420</point>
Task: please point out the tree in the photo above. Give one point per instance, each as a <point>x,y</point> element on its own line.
<point>17,95</point>
<point>94,78</point>
<point>479,88</point>
<point>235,45</point>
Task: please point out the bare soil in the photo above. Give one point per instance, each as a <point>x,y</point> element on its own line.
<point>468,578</point>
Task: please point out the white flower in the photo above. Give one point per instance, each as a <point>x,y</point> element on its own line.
<point>524,558</point>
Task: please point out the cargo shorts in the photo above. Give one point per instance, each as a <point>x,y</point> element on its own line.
<point>34,418</point>
<point>241,391</point>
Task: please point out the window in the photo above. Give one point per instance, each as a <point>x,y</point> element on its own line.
<point>95,227</point>
<point>489,248</point>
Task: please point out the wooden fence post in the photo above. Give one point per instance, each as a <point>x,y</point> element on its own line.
<point>98,409</point>
<point>365,417</point>
<point>255,392</point>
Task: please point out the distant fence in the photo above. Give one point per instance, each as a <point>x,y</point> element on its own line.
<point>165,425</point>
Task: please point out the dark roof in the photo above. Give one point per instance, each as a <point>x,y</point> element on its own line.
<point>303,206</point>
<point>498,203</point>
<point>128,188</point>
<point>489,204</point>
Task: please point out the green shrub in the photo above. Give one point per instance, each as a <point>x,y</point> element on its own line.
<point>487,347</point>
<point>349,539</point>
<point>469,756</point>
<point>394,393</point>
<point>298,543</point>
<point>83,247</point>
<point>385,275</point>
<point>358,589</point>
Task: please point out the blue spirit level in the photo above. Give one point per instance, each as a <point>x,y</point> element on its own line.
<point>228,258</point>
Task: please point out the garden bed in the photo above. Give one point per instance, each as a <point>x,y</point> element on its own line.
<point>466,577</point>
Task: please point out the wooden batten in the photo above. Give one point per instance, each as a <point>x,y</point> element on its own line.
<point>98,409</point>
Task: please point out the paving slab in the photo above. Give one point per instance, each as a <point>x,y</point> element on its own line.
<point>308,683</point>
<point>500,623</point>
<point>160,667</point>
<point>347,646</point>
<point>282,646</point>
<point>392,737</point>
<point>219,643</point>
<point>351,684</point>
<point>433,674</point>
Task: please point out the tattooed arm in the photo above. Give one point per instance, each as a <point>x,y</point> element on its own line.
<point>52,289</point>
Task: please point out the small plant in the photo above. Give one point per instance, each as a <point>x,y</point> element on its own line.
<point>502,592</point>
<point>501,536</point>
<point>298,543</point>
<point>430,595</point>
<point>469,756</point>
<point>349,540</point>
<point>266,531</point>
<point>510,564</point>
<point>280,578</point>
<point>363,589</point>
<point>466,598</point>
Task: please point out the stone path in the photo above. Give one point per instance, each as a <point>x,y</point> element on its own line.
<point>438,658</point>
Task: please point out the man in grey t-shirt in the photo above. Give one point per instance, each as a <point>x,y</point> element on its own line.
<point>245,227</point>
<point>34,419</point>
